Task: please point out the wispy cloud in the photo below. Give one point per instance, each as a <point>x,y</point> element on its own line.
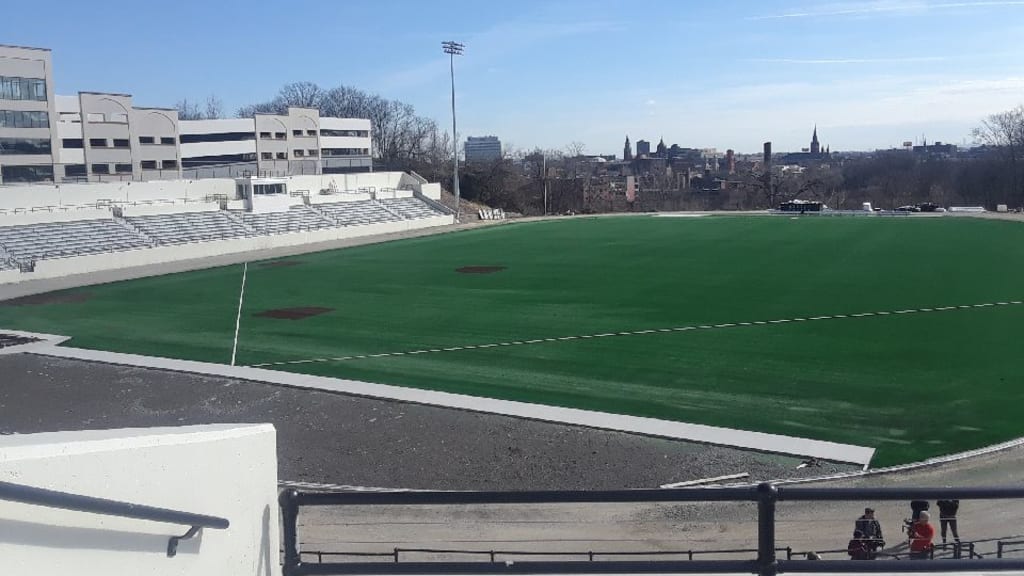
<point>854,9</point>
<point>830,61</point>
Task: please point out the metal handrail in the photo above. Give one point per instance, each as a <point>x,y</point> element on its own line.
<point>765,495</point>
<point>78,503</point>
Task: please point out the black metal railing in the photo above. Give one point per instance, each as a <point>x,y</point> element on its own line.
<point>65,501</point>
<point>1004,546</point>
<point>766,563</point>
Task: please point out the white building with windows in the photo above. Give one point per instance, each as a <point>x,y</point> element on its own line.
<point>100,137</point>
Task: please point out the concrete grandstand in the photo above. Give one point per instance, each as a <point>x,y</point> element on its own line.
<point>50,230</point>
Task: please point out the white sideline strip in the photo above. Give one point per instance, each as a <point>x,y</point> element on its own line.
<point>759,441</point>
<point>639,333</point>
<point>706,480</point>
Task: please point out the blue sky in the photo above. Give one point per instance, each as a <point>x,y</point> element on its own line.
<point>700,74</point>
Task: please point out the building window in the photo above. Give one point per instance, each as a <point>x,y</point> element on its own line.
<point>145,140</point>
<point>296,132</point>
<point>122,143</point>
<point>264,135</point>
<point>14,88</point>
<point>71,143</point>
<point>282,155</point>
<point>11,174</point>
<point>148,164</point>
<point>95,117</point>
<point>218,137</point>
<point>74,171</point>
<point>97,143</point>
<point>101,168</point>
<point>123,168</point>
<point>27,146</point>
<point>311,133</point>
<point>299,153</point>
<point>169,164</point>
<point>346,152</point>
<point>118,118</point>
<point>349,133</point>
<point>24,119</point>
<point>264,189</point>
<point>266,156</point>
<point>280,135</point>
<point>168,140</point>
<point>314,153</point>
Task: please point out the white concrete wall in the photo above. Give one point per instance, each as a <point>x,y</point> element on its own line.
<point>95,262</point>
<point>225,470</point>
<point>431,190</point>
<point>56,215</point>
<point>167,208</point>
<point>13,197</point>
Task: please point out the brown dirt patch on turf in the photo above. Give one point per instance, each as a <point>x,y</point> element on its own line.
<point>479,269</point>
<point>294,313</point>
<point>49,298</point>
<point>280,263</point>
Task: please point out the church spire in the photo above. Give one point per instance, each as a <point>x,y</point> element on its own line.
<point>815,145</point>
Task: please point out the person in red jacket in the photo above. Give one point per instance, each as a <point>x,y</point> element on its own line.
<point>921,535</point>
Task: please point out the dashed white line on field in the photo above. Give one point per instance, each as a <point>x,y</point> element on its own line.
<point>642,332</point>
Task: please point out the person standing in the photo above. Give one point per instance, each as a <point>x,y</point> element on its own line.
<point>870,529</point>
<point>947,517</point>
<point>921,534</point>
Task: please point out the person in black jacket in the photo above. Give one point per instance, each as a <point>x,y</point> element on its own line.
<point>947,517</point>
<point>870,529</point>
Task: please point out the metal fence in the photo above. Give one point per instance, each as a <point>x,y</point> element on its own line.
<point>767,562</point>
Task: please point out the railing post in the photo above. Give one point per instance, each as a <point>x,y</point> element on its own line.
<point>789,552</point>
<point>999,549</point>
<point>288,500</point>
<point>767,494</point>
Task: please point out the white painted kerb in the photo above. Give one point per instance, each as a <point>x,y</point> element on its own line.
<point>776,443</point>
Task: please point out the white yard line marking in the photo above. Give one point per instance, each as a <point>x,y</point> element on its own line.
<point>641,332</point>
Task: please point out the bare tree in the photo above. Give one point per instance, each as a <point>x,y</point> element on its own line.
<point>301,95</point>
<point>575,149</point>
<point>211,109</point>
<point>1004,132</point>
<point>214,108</point>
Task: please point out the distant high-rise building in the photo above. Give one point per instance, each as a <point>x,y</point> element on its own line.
<point>767,154</point>
<point>643,148</point>
<point>627,150</point>
<point>730,160</point>
<point>662,149</point>
<point>483,149</point>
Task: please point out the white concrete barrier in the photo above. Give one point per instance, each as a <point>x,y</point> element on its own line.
<point>167,208</point>
<point>56,215</point>
<point>223,470</point>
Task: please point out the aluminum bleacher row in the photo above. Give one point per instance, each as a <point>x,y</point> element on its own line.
<point>410,207</point>
<point>357,213</point>
<point>189,227</point>
<point>62,239</point>
<point>297,219</point>
<point>26,243</point>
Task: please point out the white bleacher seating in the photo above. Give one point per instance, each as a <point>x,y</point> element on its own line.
<point>63,239</point>
<point>411,208</point>
<point>357,213</point>
<point>189,227</point>
<point>297,219</point>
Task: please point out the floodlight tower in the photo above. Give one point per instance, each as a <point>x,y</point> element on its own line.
<point>453,49</point>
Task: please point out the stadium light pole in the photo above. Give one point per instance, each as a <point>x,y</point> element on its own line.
<point>453,49</point>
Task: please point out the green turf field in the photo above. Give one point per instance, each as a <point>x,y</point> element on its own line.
<point>912,385</point>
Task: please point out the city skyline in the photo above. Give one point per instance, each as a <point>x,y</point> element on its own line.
<point>868,74</point>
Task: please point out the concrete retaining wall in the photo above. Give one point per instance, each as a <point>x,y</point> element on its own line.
<point>224,470</point>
